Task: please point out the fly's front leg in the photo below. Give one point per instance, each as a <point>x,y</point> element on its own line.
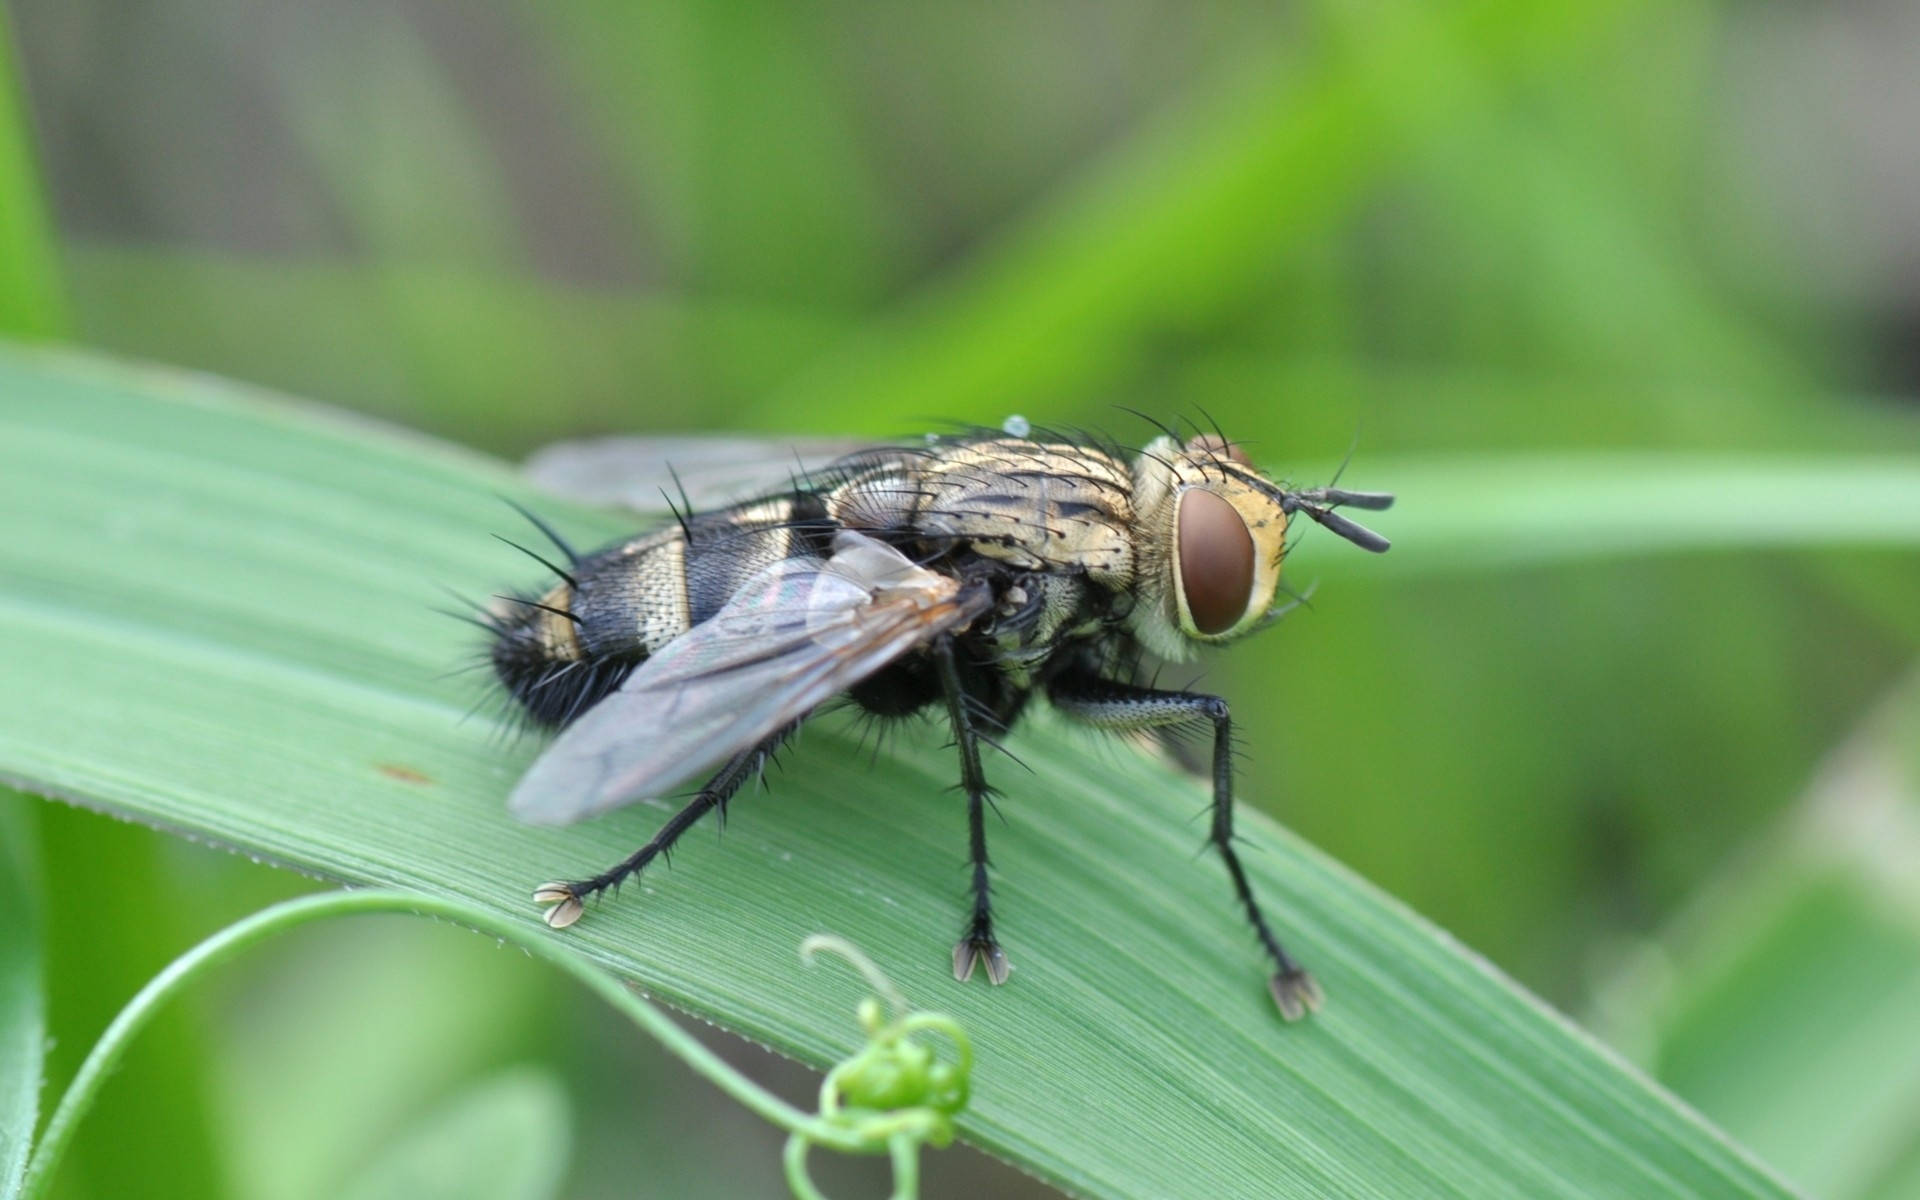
<point>976,948</point>
<point>565,900</point>
<point>1125,708</point>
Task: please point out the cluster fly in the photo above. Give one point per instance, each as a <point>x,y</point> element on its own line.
<point>966,575</point>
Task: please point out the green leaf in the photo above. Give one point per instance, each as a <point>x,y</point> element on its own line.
<point>215,617</point>
<point>503,1139</point>
<point>375,1020</point>
<point>23,1028</point>
<point>442,347</point>
<point>1184,219</point>
<point>31,301</point>
<point>1794,1021</point>
<point>1479,512</point>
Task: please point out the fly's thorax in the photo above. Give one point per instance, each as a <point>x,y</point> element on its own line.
<point>1034,615</point>
<point>1208,539</point>
<point>875,491</point>
<point>1031,505</point>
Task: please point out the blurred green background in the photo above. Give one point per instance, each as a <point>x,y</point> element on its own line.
<point>1674,795</point>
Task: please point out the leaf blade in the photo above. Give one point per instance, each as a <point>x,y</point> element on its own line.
<point>505,1138</point>
<point>220,613</point>
<point>23,1026</point>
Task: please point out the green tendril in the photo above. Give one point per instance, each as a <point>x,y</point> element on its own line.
<point>895,1094</point>
<point>890,1098</point>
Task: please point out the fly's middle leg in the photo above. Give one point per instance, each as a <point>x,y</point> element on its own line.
<point>565,899</point>
<point>1123,707</point>
<point>977,947</point>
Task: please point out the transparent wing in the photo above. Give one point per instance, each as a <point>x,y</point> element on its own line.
<point>639,472</point>
<point>798,633</point>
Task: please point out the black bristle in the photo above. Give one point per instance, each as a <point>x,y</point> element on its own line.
<point>550,690</point>
<point>539,559</point>
<point>679,514</point>
<point>552,535</point>
<point>1156,422</point>
<point>558,612</point>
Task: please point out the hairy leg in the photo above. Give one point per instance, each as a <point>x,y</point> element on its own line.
<point>564,900</point>
<point>977,947</point>
<point>1124,707</point>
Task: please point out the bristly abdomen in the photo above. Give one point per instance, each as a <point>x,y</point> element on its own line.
<point>560,652</point>
<point>538,657</point>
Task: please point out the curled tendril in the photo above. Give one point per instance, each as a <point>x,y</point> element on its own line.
<point>895,1094</point>
<point>890,1098</point>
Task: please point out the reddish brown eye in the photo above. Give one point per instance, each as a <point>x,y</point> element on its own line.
<point>1216,561</point>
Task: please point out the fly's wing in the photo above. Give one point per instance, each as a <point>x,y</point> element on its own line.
<point>643,472</point>
<point>798,633</point>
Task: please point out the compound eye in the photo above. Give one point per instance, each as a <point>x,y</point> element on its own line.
<point>1216,561</point>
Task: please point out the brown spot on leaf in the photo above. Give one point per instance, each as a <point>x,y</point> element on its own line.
<point>403,774</point>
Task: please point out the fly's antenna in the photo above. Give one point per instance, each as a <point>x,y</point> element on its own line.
<point>1320,503</point>
<point>573,556</point>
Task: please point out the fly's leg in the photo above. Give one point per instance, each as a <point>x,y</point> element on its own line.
<point>565,900</point>
<point>1125,708</point>
<point>976,948</point>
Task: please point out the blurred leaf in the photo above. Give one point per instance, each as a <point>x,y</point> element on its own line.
<point>1901,1183</point>
<point>1478,513</point>
<point>410,173</point>
<point>1528,241</point>
<point>1783,1003</point>
<point>31,302</point>
<point>23,1030</point>
<point>733,124</point>
<point>214,618</point>
<point>1458,405</point>
<point>105,937</point>
<point>1183,219</point>
<point>501,360</point>
<point>503,1139</point>
<point>375,1020</point>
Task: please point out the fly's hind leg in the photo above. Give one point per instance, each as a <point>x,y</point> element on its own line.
<point>1123,707</point>
<point>976,947</point>
<point>565,900</point>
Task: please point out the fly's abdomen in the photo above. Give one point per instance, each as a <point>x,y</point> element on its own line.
<point>560,652</point>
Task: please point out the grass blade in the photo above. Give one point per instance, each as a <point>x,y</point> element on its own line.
<point>1199,202</point>
<point>23,1030</point>
<point>503,1139</point>
<point>215,616</point>
<point>31,301</point>
<point>1472,513</point>
<point>1794,1022</point>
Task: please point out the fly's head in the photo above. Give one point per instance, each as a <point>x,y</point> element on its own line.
<point>1210,533</point>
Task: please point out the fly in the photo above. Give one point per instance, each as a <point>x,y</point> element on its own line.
<point>966,575</point>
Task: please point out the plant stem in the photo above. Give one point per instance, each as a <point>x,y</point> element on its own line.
<point>243,934</point>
